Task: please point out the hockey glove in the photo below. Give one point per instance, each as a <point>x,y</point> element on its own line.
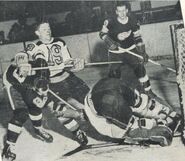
<point>78,64</point>
<point>111,44</point>
<point>41,86</point>
<point>24,70</point>
<point>141,50</point>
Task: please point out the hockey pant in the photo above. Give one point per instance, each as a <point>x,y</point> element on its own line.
<point>20,115</point>
<point>134,63</point>
<point>73,90</point>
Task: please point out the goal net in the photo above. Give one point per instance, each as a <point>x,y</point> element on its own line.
<point>178,43</point>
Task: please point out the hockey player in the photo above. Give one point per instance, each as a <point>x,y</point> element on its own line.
<point>32,88</point>
<point>63,81</point>
<point>117,111</point>
<point>122,32</point>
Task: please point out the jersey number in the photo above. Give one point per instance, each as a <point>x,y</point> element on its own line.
<point>55,55</point>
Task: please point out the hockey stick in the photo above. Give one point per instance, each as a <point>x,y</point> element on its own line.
<point>65,66</point>
<point>134,54</point>
<point>98,146</point>
<point>62,100</point>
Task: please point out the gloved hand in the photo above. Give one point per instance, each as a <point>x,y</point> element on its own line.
<point>41,86</point>
<point>24,69</point>
<point>111,44</point>
<point>141,50</point>
<point>78,64</point>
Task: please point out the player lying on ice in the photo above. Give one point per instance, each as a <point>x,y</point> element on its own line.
<point>135,117</point>
<point>28,94</point>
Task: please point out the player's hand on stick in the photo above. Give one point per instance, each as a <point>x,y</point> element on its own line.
<point>141,50</point>
<point>78,64</point>
<point>41,86</point>
<point>24,70</point>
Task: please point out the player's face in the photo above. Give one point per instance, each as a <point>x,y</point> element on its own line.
<point>121,12</point>
<point>44,32</point>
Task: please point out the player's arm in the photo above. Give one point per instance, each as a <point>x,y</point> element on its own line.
<point>104,35</point>
<point>77,63</point>
<point>138,39</point>
<point>18,70</point>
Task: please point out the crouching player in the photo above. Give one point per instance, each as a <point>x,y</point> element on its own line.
<point>32,88</point>
<point>27,94</point>
<point>118,111</point>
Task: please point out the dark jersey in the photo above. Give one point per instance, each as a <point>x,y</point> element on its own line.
<point>24,86</point>
<point>124,34</point>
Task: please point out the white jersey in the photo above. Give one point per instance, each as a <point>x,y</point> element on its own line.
<point>55,53</point>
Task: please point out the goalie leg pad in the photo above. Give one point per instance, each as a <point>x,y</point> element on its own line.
<point>162,135</point>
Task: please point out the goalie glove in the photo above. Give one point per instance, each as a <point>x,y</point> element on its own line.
<point>141,50</point>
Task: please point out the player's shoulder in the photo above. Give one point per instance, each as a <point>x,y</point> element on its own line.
<point>31,46</point>
<point>38,43</point>
<point>109,21</point>
<point>10,69</point>
<point>133,19</point>
<point>59,40</point>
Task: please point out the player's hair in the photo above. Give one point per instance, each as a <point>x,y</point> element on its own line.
<point>123,3</point>
<point>40,22</point>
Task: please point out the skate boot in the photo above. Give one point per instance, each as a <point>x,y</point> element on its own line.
<point>81,137</point>
<point>7,153</point>
<point>43,135</point>
<point>175,125</point>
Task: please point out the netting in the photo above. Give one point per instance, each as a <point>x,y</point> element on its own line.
<point>178,42</point>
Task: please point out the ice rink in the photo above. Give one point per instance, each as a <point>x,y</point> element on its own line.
<point>30,149</point>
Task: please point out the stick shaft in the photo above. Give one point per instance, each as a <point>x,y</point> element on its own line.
<point>87,64</point>
<point>151,61</point>
<point>62,100</point>
<point>103,63</point>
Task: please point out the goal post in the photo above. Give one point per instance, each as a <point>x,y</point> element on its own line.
<point>178,43</point>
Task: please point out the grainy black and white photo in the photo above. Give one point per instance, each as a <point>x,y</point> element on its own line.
<point>90,80</point>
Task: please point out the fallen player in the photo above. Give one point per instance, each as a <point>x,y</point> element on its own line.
<point>117,111</point>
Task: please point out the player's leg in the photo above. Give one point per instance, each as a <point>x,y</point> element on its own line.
<point>139,70</point>
<point>20,115</point>
<point>73,126</point>
<point>14,129</point>
<point>146,131</point>
<point>151,108</point>
<point>67,116</point>
<point>78,89</point>
<point>141,74</point>
<point>35,115</point>
<point>115,69</point>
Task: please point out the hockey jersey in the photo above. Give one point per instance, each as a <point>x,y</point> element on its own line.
<point>127,34</point>
<point>24,86</point>
<point>54,53</point>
